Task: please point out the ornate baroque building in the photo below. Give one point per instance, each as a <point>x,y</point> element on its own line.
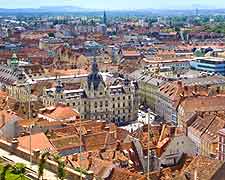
<point>14,80</point>
<point>97,100</point>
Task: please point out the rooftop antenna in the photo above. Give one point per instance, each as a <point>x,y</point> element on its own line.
<point>197,12</point>
<point>196,171</point>
<point>105,18</point>
<point>150,138</point>
<point>80,150</point>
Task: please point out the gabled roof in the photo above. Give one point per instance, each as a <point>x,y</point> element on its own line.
<point>204,103</point>
<point>67,142</point>
<point>7,116</point>
<point>204,167</point>
<point>124,174</point>
<point>38,141</point>
<point>207,126</point>
<point>62,112</point>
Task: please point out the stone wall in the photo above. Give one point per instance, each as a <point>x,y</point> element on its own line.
<point>50,165</point>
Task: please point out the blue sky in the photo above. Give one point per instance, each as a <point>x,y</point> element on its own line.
<point>116,4</point>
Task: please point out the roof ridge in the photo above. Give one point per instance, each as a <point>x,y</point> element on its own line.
<point>208,126</point>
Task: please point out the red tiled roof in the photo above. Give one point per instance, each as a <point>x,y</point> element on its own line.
<point>204,103</point>
<point>131,54</point>
<point>204,167</point>
<point>38,141</point>
<point>123,174</point>
<point>63,113</point>
<point>6,116</point>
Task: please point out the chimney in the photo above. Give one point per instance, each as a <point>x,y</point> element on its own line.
<point>15,143</point>
<point>103,124</point>
<point>185,90</point>
<point>89,160</point>
<point>218,90</point>
<point>89,154</point>
<point>75,157</point>
<point>179,84</point>
<point>36,153</point>
<point>126,153</point>
<point>3,120</point>
<point>118,145</point>
<point>196,88</point>
<point>107,128</point>
<point>88,131</point>
<point>102,150</point>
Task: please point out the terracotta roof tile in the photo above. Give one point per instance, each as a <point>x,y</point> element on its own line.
<point>123,174</point>
<point>63,113</point>
<point>38,141</point>
<point>205,168</point>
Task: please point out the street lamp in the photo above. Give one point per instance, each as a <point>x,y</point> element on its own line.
<point>29,117</point>
<point>80,151</point>
<point>150,136</point>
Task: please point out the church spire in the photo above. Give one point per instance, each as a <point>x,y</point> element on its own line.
<point>94,78</point>
<point>14,61</point>
<point>105,18</point>
<point>94,66</point>
<point>59,87</point>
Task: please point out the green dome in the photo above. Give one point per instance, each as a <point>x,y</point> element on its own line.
<point>14,60</point>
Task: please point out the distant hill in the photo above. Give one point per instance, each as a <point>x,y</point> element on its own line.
<point>85,11</point>
<point>64,9</point>
<point>48,9</point>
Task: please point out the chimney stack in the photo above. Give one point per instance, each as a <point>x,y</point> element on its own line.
<point>179,84</point>
<point>15,143</point>
<point>89,131</point>
<point>107,128</point>
<point>185,90</point>
<point>75,157</point>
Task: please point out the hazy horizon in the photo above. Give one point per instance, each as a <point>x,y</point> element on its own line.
<point>116,4</point>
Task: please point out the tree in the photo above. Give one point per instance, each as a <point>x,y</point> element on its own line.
<point>19,169</point>
<point>4,171</point>
<point>177,29</point>
<point>51,34</point>
<point>61,165</point>
<point>42,165</point>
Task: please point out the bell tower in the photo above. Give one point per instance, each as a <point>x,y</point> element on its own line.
<point>59,91</point>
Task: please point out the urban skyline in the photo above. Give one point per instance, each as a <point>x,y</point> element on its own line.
<point>116,5</point>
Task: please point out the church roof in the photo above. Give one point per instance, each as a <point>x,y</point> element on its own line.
<point>95,78</point>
